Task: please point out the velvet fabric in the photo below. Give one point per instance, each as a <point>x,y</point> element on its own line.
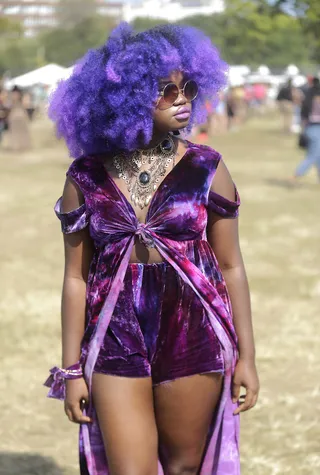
<point>176,225</point>
<point>57,380</point>
<point>158,328</point>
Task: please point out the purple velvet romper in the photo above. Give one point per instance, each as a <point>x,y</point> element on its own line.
<point>165,320</point>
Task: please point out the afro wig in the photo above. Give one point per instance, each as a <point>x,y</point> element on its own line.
<point>107,103</point>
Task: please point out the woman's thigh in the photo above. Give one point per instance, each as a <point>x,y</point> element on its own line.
<point>125,411</point>
<point>184,409</point>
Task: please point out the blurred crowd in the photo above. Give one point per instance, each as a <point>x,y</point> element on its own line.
<point>239,103</point>
<point>235,105</point>
<point>18,108</point>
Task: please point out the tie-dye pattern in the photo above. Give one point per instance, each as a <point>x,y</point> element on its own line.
<point>158,328</point>
<point>176,224</point>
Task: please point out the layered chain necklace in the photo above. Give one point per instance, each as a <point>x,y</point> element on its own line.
<point>141,182</point>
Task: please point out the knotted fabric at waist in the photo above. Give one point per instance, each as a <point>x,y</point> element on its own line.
<point>144,235</point>
<point>104,233</point>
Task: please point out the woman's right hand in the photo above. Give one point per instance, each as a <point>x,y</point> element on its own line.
<point>77,396</point>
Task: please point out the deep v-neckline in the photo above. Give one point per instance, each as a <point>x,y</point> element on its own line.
<point>123,197</point>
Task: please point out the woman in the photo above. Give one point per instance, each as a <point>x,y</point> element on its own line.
<point>18,123</point>
<point>310,117</point>
<point>285,100</point>
<point>145,308</point>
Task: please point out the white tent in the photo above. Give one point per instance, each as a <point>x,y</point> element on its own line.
<point>237,75</point>
<point>48,75</point>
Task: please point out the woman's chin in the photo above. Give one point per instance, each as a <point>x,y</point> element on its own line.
<point>180,124</point>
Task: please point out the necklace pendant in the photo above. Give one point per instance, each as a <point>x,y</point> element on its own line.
<point>167,146</point>
<point>144,178</point>
<point>142,183</point>
<point>147,200</point>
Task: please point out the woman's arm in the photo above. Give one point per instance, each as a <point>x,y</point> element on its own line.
<point>224,239</point>
<point>78,255</point>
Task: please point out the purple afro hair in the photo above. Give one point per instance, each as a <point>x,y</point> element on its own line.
<point>107,103</point>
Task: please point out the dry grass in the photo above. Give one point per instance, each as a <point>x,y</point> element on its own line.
<point>280,241</point>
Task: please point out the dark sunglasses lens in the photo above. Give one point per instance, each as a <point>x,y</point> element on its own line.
<point>190,90</point>
<point>170,93</point>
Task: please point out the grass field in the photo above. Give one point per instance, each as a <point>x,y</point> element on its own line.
<point>280,234</point>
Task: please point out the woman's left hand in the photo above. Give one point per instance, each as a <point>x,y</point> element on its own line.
<point>245,375</point>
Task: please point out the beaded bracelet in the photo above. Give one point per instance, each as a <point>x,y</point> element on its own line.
<point>57,379</point>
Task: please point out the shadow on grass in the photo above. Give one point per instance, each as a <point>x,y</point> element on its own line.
<point>12,463</point>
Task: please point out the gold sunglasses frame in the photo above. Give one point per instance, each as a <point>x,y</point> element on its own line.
<point>180,91</point>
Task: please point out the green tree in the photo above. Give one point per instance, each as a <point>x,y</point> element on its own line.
<point>251,32</point>
<point>247,33</point>
<point>9,29</point>
<point>144,23</point>
<point>65,46</point>
<point>310,21</point>
<point>308,13</point>
<point>17,54</point>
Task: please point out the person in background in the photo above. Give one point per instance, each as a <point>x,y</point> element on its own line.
<point>231,109</point>
<point>238,98</point>
<point>260,95</point>
<point>3,113</point>
<point>219,124</point>
<point>205,128</point>
<point>297,99</point>
<point>305,88</point>
<point>18,123</point>
<point>285,100</point>
<point>310,116</point>
<point>28,104</point>
<point>249,98</point>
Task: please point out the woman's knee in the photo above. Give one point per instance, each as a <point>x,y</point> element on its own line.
<point>182,469</point>
<point>185,465</point>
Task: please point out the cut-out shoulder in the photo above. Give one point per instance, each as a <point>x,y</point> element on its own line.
<point>72,198</point>
<point>223,197</point>
<point>74,220</point>
<point>71,209</point>
<point>222,183</point>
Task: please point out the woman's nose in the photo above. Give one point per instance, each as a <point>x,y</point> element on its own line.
<point>180,99</point>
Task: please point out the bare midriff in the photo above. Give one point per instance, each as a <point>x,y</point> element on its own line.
<point>144,255</point>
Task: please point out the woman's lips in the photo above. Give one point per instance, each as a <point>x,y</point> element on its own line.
<point>182,114</point>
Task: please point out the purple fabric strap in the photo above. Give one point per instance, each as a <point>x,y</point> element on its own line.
<point>57,379</point>
<point>222,206</point>
<point>74,220</point>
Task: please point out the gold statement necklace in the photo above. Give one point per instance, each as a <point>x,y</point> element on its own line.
<point>142,170</point>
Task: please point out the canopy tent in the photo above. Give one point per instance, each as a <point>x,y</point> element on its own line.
<point>48,75</point>
<point>237,75</point>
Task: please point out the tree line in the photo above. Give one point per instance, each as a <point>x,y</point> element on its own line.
<point>253,32</point>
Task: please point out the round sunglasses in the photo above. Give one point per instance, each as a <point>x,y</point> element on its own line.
<point>171,91</point>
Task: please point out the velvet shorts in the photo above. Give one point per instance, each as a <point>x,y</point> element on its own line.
<point>159,329</point>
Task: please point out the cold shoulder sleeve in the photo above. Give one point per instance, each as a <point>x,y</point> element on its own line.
<point>222,206</point>
<point>78,218</point>
<point>74,220</point>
